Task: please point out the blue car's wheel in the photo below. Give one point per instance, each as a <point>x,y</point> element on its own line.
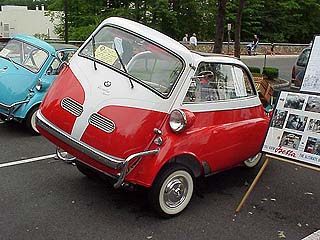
<point>31,120</point>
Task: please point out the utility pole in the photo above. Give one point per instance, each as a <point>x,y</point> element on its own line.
<point>229,29</point>
<point>66,21</point>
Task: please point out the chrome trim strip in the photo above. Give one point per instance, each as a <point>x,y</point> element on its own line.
<point>7,107</point>
<point>109,161</point>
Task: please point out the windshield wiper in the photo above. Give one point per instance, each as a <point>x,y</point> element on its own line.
<point>94,53</point>
<point>123,66</point>
<point>10,59</point>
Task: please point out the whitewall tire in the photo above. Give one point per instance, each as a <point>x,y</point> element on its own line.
<point>31,120</point>
<point>253,161</point>
<point>172,190</point>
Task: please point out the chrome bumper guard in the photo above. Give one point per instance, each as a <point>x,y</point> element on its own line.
<point>105,159</point>
<point>11,107</point>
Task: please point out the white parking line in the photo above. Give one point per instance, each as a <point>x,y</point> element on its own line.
<point>313,236</point>
<point>26,160</point>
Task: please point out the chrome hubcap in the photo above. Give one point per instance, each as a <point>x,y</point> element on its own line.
<point>251,162</point>
<point>255,158</point>
<point>175,192</point>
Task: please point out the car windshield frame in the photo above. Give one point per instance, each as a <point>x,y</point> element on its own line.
<point>24,54</point>
<point>148,64</point>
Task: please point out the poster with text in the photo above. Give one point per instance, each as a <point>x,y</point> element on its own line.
<point>294,130</point>
<point>311,79</point>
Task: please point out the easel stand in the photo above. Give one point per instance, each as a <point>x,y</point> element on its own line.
<point>268,157</point>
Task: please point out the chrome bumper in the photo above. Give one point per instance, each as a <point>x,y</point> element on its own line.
<point>105,159</point>
<point>10,108</point>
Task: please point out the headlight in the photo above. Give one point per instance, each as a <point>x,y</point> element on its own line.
<point>178,120</point>
<point>39,84</point>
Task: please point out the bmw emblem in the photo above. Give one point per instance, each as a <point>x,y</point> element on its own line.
<point>107,83</point>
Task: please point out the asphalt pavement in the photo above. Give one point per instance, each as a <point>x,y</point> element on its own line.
<point>44,198</point>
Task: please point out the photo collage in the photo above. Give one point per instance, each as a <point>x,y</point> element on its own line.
<point>299,118</point>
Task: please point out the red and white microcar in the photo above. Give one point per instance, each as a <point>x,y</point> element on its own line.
<point>141,108</point>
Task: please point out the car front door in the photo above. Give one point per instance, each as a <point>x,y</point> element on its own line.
<point>227,115</point>
<point>21,64</point>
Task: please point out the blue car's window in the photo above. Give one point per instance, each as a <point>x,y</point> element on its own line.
<point>24,54</point>
<point>144,60</point>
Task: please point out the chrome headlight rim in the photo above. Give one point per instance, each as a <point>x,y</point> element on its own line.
<point>178,127</point>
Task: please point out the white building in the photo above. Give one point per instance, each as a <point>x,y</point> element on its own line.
<point>20,20</point>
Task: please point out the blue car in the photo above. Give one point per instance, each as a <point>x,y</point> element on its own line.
<point>28,66</point>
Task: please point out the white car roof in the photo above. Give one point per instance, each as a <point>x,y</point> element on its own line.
<point>150,34</point>
<point>167,42</point>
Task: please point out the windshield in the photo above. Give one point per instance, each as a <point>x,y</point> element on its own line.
<point>24,54</point>
<point>146,62</point>
<point>303,58</point>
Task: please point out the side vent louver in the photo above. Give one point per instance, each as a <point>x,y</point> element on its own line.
<point>102,123</point>
<point>72,106</point>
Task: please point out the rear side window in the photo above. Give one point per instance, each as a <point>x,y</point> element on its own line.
<point>219,82</point>
<point>303,58</point>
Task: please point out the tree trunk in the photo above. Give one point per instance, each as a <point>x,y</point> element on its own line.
<point>218,40</point>
<point>237,34</point>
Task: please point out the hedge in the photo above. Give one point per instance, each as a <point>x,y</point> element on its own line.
<point>255,69</point>
<point>271,72</point>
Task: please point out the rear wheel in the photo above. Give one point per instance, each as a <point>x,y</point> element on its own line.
<point>31,120</point>
<point>253,161</point>
<point>172,190</point>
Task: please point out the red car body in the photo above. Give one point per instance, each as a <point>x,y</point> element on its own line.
<point>129,125</point>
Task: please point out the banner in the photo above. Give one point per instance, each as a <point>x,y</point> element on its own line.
<point>294,130</point>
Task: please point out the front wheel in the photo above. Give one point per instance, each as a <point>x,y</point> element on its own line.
<point>172,190</point>
<point>253,161</point>
<point>86,170</point>
<point>31,120</point>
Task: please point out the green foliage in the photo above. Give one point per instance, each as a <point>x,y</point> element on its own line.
<point>271,72</point>
<point>254,70</point>
<point>294,21</point>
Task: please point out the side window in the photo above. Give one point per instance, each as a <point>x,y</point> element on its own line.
<point>218,82</point>
<point>303,58</point>
<point>54,67</point>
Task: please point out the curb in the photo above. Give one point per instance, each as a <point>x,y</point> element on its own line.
<point>281,85</point>
<point>278,86</point>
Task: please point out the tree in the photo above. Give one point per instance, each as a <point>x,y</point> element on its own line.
<point>237,35</point>
<point>218,40</point>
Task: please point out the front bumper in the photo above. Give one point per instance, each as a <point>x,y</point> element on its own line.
<point>107,160</point>
<point>12,108</point>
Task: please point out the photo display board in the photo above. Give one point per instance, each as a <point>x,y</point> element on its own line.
<point>294,130</point>
<point>311,79</point>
